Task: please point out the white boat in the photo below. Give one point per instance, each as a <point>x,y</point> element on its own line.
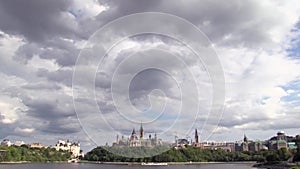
<point>74,160</point>
<point>155,164</point>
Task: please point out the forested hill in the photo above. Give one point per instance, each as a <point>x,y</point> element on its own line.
<point>185,155</point>
<point>24,153</point>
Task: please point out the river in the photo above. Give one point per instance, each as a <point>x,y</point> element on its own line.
<point>105,166</point>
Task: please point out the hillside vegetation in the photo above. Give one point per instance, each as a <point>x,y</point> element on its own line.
<point>184,155</point>
<point>24,153</point>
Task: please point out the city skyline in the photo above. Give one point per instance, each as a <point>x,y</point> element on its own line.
<point>68,72</point>
<point>137,139</point>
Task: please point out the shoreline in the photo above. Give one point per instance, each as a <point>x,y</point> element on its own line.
<point>277,166</point>
<point>15,162</point>
<point>169,163</point>
<point>131,163</point>
<point>250,163</point>
<point>31,162</point>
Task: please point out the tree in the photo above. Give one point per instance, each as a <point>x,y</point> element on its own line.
<point>272,158</point>
<point>297,154</point>
<point>284,154</point>
<point>94,158</point>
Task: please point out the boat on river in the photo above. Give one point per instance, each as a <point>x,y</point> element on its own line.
<point>154,164</point>
<point>74,160</point>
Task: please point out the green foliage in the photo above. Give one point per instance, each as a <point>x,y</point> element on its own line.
<point>284,154</point>
<point>184,155</point>
<point>295,167</point>
<point>297,154</point>
<point>272,158</point>
<point>24,153</point>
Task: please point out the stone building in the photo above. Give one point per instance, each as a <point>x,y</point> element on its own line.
<point>6,142</point>
<point>138,141</point>
<point>74,147</point>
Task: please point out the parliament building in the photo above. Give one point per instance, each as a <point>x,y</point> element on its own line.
<point>138,141</point>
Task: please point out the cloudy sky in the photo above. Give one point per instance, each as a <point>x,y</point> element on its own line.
<point>73,70</point>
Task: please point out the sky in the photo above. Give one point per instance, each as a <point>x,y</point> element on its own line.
<point>89,70</point>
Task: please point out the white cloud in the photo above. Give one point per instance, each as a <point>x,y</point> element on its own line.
<point>251,38</point>
<point>87,9</point>
<point>10,109</point>
<point>9,43</point>
<point>290,91</point>
<point>24,130</point>
<point>38,63</point>
<point>254,85</point>
<point>7,121</point>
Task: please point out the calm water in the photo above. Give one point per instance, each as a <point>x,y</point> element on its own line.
<point>102,166</point>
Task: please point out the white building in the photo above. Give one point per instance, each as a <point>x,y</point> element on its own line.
<point>74,148</point>
<point>36,145</point>
<point>6,142</point>
<point>19,143</point>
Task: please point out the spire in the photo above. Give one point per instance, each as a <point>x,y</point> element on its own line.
<point>117,141</point>
<point>245,138</point>
<point>133,131</point>
<point>196,136</point>
<point>141,131</point>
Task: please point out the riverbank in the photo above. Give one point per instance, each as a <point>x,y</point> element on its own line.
<point>169,163</point>
<point>14,162</point>
<point>278,166</point>
<point>31,162</point>
<point>104,166</point>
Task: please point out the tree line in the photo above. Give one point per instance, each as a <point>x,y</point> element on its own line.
<point>187,154</point>
<point>24,153</point>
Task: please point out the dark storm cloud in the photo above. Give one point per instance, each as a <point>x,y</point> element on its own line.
<point>102,80</point>
<point>63,52</point>
<point>5,129</point>
<point>59,76</point>
<point>146,81</point>
<point>48,108</point>
<point>48,30</point>
<point>122,8</point>
<point>241,21</point>
<point>57,115</point>
<point>15,127</point>
<point>62,127</point>
<point>219,18</point>
<point>37,20</point>
<point>106,107</point>
<point>26,52</point>
<point>42,86</point>
<point>232,120</point>
<point>44,21</point>
<point>43,24</point>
